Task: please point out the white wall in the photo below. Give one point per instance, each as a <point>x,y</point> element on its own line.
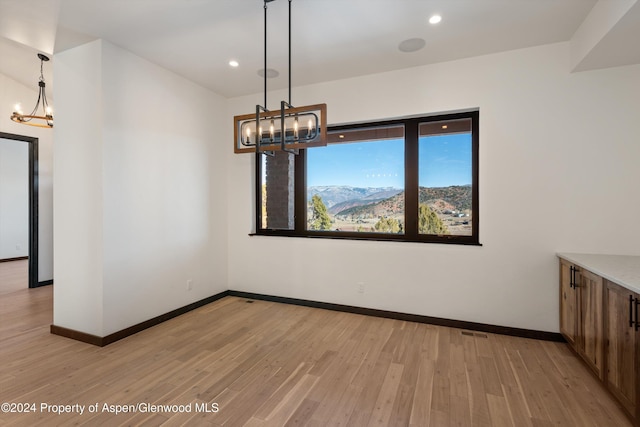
<point>558,172</point>
<point>14,199</point>
<point>78,213</point>
<point>12,92</point>
<point>140,204</point>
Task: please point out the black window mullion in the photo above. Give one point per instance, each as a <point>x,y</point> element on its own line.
<point>300,189</point>
<point>258,188</point>
<point>475,166</point>
<point>411,179</point>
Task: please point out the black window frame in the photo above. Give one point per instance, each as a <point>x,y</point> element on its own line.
<point>411,188</point>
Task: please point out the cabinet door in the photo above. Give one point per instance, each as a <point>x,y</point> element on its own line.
<point>590,327</point>
<point>568,304</point>
<point>621,345</point>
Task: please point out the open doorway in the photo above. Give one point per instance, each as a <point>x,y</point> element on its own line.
<point>32,251</point>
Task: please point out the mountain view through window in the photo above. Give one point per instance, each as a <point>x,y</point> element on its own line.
<point>409,179</point>
<point>356,184</point>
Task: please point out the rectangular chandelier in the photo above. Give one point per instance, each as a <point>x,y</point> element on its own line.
<point>288,129</point>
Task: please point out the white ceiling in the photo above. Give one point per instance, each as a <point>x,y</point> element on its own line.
<point>332,39</point>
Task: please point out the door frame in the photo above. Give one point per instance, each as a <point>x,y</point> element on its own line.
<point>33,203</point>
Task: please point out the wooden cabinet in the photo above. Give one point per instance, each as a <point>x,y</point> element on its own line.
<point>623,345</point>
<point>581,319</point>
<point>590,326</point>
<point>568,303</point>
<point>601,321</point>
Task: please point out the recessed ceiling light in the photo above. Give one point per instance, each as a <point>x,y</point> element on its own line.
<point>411,45</point>
<point>271,73</point>
<point>435,19</point>
<point>233,63</point>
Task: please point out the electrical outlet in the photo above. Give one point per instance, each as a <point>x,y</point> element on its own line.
<point>361,287</point>
<point>189,284</point>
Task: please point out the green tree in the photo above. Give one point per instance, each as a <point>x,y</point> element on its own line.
<point>388,225</point>
<point>429,222</point>
<point>319,217</point>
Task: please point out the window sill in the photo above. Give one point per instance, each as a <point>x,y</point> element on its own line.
<point>367,237</point>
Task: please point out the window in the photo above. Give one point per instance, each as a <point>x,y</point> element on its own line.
<point>445,176</point>
<point>356,182</point>
<point>412,179</point>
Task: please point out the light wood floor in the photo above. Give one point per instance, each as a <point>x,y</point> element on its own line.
<point>14,276</point>
<point>272,364</point>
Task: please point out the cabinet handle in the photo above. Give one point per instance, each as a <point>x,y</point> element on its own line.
<point>574,280</point>
<point>572,277</point>
<point>631,322</point>
<point>636,320</point>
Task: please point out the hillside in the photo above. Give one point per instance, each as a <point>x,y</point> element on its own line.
<point>334,194</point>
<point>360,209</point>
<point>454,198</point>
<point>372,198</point>
<point>389,207</point>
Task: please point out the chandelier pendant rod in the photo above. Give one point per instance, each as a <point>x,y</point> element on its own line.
<point>35,109</point>
<point>264,108</point>
<point>284,105</point>
<point>265,54</point>
<point>290,53</point>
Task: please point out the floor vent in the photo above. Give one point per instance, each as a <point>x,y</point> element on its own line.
<point>472,334</point>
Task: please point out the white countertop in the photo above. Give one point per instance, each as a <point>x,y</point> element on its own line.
<point>621,269</point>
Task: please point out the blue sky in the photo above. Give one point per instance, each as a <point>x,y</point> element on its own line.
<point>444,160</point>
<point>363,164</point>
